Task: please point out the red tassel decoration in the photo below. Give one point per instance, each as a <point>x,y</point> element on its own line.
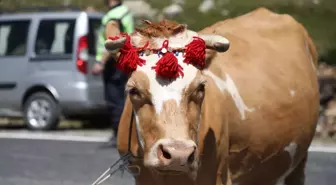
<point>167,66</point>
<point>195,52</point>
<point>129,58</point>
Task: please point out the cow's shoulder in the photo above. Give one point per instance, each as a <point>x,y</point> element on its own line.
<point>264,17</point>
<point>256,31</point>
<point>256,21</point>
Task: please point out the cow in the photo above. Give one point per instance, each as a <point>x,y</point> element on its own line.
<point>244,113</point>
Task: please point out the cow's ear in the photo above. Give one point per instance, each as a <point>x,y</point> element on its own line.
<point>209,55</point>
<point>124,130</point>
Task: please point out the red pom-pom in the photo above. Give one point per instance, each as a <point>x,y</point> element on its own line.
<point>195,52</point>
<point>168,67</point>
<point>129,58</point>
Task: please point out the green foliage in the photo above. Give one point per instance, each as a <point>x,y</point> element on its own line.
<point>317,18</point>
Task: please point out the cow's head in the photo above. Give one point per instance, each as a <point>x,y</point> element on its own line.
<point>166,87</point>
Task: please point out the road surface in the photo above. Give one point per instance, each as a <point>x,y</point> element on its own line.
<point>48,162</point>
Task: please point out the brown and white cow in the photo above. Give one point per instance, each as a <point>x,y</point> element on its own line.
<point>248,118</point>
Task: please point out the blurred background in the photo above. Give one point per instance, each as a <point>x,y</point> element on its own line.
<point>42,64</point>
<point>316,15</point>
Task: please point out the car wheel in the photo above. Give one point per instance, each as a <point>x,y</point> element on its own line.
<point>41,112</point>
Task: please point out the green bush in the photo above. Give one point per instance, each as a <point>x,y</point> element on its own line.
<point>318,18</point>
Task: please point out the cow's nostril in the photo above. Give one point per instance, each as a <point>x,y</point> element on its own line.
<point>165,153</point>
<point>191,157</point>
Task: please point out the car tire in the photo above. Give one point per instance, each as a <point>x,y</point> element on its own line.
<point>41,112</point>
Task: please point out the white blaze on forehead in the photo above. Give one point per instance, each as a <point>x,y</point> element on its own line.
<point>160,89</point>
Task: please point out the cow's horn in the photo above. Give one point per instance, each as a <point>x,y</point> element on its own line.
<point>216,42</point>
<point>147,22</point>
<point>112,45</point>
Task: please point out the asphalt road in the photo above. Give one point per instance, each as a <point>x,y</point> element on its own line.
<point>45,162</point>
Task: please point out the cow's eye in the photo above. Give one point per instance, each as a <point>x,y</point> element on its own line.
<point>138,97</point>
<point>141,53</point>
<point>134,92</point>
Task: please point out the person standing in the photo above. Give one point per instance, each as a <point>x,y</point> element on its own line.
<point>117,19</point>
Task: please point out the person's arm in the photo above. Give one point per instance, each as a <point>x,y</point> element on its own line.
<point>112,29</point>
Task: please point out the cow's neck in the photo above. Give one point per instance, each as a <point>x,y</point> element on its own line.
<point>220,110</point>
<point>226,85</point>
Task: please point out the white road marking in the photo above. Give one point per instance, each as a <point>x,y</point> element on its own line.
<point>323,149</point>
<point>55,137</point>
<point>58,137</point>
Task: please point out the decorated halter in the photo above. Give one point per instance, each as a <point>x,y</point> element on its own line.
<point>167,66</point>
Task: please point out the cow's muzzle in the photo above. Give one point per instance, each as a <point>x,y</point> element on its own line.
<point>174,155</point>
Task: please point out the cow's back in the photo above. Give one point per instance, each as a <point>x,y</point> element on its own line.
<point>271,62</point>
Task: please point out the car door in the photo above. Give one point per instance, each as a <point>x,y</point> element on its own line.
<point>52,64</point>
<point>14,54</point>
<point>95,82</point>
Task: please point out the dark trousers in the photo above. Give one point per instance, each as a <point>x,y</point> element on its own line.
<point>114,87</point>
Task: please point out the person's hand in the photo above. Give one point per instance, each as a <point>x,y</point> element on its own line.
<point>97,68</point>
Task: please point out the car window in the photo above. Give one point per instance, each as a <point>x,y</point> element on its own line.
<point>14,37</point>
<point>94,26</point>
<point>55,37</point>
